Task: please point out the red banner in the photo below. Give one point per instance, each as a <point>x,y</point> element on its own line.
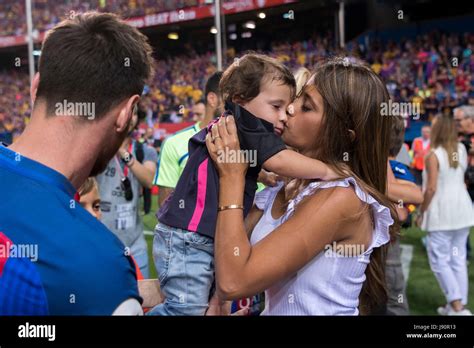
<point>176,16</point>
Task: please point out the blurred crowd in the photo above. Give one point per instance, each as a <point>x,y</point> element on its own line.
<point>434,70</point>
<point>14,104</point>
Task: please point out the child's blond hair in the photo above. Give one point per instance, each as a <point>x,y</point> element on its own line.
<point>88,186</point>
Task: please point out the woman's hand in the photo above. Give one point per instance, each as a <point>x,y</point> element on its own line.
<point>419,220</point>
<point>219,307</point>
<point>224,148</point>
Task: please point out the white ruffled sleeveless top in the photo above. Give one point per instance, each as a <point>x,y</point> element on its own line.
<point>329,284</point>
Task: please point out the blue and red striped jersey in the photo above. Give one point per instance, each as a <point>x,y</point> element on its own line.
<point>60,258</point>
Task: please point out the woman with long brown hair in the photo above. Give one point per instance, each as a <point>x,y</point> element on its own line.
<point>447,214</point>
<point>316,247</point>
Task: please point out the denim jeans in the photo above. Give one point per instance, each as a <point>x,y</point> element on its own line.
<point>184,262</point>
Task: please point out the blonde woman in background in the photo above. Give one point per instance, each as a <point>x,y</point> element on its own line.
<point>302,76</point>
<point>447,214</point>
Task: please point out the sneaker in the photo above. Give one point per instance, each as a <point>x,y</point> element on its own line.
<point>444,310</point>
<point>461,312</point>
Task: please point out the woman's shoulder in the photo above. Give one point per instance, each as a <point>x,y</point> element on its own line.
<point>346,189</point>
<point>440,152</point>
<point>340,196</point>
<point>347,196</point>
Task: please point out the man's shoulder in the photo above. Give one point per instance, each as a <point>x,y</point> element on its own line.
<point>78,259</point>
<point>394,164</point>
<point>182,135</point>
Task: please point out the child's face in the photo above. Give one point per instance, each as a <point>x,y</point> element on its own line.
<point>271,104</point>
<point>91,202</point>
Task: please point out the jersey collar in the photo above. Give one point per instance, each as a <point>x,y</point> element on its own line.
<point>34,170</point>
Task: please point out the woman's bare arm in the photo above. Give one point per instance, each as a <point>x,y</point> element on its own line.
<point>431,163</point>
<point>243,270</point>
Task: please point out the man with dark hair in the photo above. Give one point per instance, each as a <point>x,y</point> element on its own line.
<point>92,72</point>
<point>199,111</point>
<point>464,118</point>
<point>399,180</point>
<point>174,151</point>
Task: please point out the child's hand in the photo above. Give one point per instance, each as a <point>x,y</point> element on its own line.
<point>418,219</point>
<point>269,178</point>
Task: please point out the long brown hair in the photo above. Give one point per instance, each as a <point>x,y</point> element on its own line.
<point>354,134</point>
<point>443,133</point>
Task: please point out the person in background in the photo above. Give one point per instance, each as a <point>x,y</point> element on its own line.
<point>130,170</point>
<point>199,111</point>
<point>447,214</point>
<point>157,146</point>
<point>147,139</point>
<point>403,156</point>
<point>5,135</point>
<point>402,190</point>
<point>464,119</point>
<point>89,197</point>
<point>420,148</point>
<point>174,151</point>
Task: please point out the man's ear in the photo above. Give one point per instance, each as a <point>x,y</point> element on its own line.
<point>212,99</point>
<point>126,113</point>
<point>34,87</point>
